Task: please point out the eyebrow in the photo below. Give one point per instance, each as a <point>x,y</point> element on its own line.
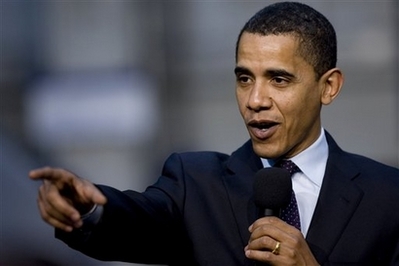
<point>279,72</point>
<point>268,73</point>
<point>242,70</point>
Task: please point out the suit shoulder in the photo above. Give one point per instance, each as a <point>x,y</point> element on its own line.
<point>372,165</point>
<point>200,158</point>
<point>376,174</point>
<point>362,163</point>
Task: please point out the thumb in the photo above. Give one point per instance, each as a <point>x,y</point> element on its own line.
<point>98,197</point>
<point>85,195</point>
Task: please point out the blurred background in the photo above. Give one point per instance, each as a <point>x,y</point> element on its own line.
<point>108,89</point>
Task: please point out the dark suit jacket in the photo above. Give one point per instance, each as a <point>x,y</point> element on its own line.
<point>199,211</point>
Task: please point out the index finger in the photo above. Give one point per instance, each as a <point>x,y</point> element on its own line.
<point>48,173</point>
<point>267,220</point>
<point>272,226</point>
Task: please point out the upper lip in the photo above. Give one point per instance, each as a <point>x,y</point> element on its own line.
<point>262,124</point>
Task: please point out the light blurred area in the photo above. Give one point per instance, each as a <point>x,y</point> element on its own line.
<point>95,121</point>
<point>108,89</point>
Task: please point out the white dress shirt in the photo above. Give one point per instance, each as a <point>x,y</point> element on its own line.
<point>306,184</point>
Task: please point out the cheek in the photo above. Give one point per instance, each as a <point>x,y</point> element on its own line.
<point>306,99</point>
<point>295,110</point>
<point>302,113</point>
<point>290,106</point>
<point>241,101</point>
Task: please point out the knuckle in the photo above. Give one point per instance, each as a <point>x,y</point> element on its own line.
<point>267,256</point>
<point>47,168</point>
<point>45,215</point>
<point>295,241</point>
<point>273,219</point>
<point>51,196</point>
<point>264,241</point>
<point>290,253</point>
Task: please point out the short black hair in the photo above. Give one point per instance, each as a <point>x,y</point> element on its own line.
<point>316,36</point>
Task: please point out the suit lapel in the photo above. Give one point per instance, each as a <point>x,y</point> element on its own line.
<point>241,169</point>
<point>338,199</point>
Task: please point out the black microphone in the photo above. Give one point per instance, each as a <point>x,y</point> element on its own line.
<point>272,190</point>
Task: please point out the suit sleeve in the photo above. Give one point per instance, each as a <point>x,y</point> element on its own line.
<point>139,227</point>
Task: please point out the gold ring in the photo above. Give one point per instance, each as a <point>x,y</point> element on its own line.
<point>276,249</point>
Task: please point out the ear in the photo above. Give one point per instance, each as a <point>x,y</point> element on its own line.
<point>331,83</point>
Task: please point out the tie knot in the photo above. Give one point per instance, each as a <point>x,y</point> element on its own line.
<point>289,165</point>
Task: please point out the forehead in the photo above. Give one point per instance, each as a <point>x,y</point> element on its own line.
<point>251,43</point>
<point>265,50</point>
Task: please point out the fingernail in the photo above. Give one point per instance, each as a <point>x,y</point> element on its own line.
<point>78,224</point>
<point>247,253</point>
<point>75,217</point>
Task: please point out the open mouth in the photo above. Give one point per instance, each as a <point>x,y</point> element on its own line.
<point>265,125</point>
<point>262,130</point>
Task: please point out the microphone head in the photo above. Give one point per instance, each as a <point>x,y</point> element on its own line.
<point>272,188</point>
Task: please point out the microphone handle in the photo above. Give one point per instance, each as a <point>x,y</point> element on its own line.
<point>265,213</point>
<point>270,212</point>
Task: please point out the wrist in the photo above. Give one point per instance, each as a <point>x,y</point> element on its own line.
<point>91,218</point>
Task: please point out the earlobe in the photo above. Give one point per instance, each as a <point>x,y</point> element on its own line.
<point>332,84</point>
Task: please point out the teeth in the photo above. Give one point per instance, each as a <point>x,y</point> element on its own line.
<point>264,126</point>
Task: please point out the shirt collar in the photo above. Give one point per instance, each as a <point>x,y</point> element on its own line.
<point>312,161</point>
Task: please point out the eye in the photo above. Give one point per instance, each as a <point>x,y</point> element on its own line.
<point>280,81</point>
<point>243,79</point>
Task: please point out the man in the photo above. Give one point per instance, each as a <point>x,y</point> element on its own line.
<point>201,210</point>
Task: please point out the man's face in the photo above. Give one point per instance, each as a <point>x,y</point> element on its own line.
<point>278,95</point>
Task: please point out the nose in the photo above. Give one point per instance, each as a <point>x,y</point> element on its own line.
<point>259,98</point>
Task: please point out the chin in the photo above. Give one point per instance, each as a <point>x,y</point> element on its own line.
<point>265,150</point>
